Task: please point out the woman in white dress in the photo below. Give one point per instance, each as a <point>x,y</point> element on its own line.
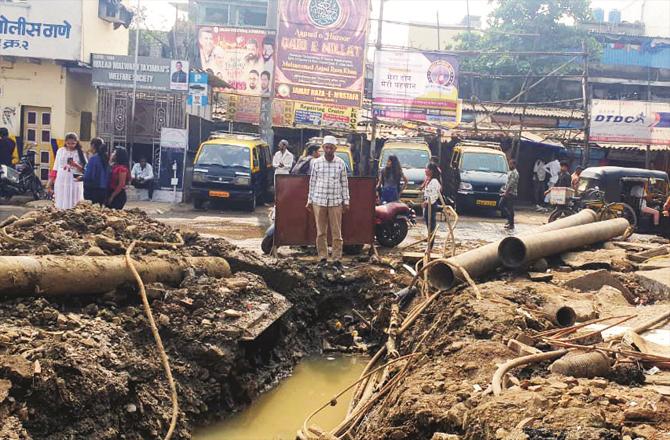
<point>66,177</point>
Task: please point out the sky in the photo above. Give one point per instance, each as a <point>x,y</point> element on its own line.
<point>657,13</point>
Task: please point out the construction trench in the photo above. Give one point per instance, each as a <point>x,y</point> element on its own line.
<point>557,334</point>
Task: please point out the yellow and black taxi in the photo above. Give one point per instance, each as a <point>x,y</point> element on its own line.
<point>342,150</point>
<point>414,155</point>
<point>476,173</point>
<point>232,167</point>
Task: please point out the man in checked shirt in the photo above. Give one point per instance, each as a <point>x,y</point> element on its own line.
<point>328,198</point>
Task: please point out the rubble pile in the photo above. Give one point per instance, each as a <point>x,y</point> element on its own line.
<point>86,366</point>
<point>447,392</point>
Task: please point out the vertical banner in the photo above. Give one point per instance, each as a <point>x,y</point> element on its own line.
<point>416,86</point>
<point>244,58</point>
<point>321,51</point>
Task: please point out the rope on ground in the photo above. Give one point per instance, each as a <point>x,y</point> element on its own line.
<point>5,236</point>
<point>496,382</point>
<point>157,338</point>
<point>467,278</point>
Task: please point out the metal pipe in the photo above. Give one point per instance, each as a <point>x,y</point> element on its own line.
<point>484,259</point>
<point>515,252</point>
<point>560,314</point>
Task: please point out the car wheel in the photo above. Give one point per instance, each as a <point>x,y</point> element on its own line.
<point>198,204</point>
<point>267,243</point>
<point>251,204</point>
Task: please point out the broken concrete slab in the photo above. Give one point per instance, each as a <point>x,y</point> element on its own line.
<point>656,263</point>
<point>656,281</point>
<point>596,280</point>
<point>643,256</point>
<point>16,366</point>
<point>540,276</point>
<point>601,258</point>
<point>609,296</point>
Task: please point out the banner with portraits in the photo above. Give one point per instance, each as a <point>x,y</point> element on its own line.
<point>244,58</point>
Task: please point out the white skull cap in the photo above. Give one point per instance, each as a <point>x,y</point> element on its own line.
<point>329,140</point>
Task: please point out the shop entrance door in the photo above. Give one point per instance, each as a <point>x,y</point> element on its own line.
<point>37,136</point>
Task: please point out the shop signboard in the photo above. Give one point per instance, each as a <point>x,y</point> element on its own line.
<point>198,89</point>
<point>118,71</point>
<point>325,116</point>
<point>244,58</point>
<point>416,86</point>
<point>635,122</point>
<point>246,109</point>
<point>321,51</point>
<point>41,29</point>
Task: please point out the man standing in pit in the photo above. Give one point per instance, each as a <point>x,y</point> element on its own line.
<point>328,198</point>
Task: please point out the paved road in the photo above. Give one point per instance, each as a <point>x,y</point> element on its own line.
<point>247,229</point>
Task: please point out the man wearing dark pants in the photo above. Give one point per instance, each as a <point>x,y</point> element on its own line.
<point>328,198</point>
<point>509,195</point>
<point>142,176</point>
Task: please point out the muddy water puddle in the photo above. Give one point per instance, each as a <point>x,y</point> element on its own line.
<point>279,413</point>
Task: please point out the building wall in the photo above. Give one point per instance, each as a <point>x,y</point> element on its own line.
<point>80,96</point>
<point>40,84</point>
<point>99,36</point>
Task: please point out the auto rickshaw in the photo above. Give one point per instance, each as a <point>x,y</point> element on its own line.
<point>627,187</point>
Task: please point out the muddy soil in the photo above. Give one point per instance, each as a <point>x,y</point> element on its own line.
<point>87,367</point>
<point>448,389</point>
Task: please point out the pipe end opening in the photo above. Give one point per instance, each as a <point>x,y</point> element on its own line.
<point>566,317</point>
<point>440,276</point>
<point>512,252</point>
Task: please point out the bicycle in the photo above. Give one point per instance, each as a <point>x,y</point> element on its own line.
<point>595,199</point>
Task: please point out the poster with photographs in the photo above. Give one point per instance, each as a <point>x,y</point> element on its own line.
<point>179,75</point>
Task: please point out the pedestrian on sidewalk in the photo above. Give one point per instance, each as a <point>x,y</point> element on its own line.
<point>283,159</point>
<point>509,195</point>
<point>564,177</point>
<point>328,198</point>
<point>304,165</point>
<point>66,176</point>
<point>96,174</point>
<point>431,197</point>
<point>575,177</point>
<point>539,183</point>
<point>7,147</point>
<point>120,178</point>
<point>392,181</point>
<point>142,176</point>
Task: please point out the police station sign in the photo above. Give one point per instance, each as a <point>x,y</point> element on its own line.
<point>41,29</point>
<point>635,122</point>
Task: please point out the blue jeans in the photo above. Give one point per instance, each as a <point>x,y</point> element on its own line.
<point>389,194</point>
<point>431,223</point>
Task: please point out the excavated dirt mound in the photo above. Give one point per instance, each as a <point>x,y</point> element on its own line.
<point>87,367</point>
<point>448,390</point>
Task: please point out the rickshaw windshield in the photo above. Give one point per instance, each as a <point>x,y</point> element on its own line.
<point>586,183</point>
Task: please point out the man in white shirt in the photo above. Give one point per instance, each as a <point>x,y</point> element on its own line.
<point>283,159</point>
<point>539,177</point>
<point>142,176</point>
<point>554,169</point>
<point>328,198</point>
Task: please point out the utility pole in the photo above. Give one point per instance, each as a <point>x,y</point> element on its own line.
<point>132,105</point>
<point>586,101</point>
<point>378,46</point>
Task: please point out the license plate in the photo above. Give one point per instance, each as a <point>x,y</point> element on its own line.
<point>223,194</point>
<point>486,203</point>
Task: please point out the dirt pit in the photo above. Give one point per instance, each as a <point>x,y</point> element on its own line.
<point>87,366</point>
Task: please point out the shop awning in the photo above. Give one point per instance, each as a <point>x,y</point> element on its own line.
<point>633,147</point>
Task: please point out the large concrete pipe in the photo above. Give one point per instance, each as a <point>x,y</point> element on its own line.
<point>65,275</point>
<point>515,252</point>
<point>484,259</point>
